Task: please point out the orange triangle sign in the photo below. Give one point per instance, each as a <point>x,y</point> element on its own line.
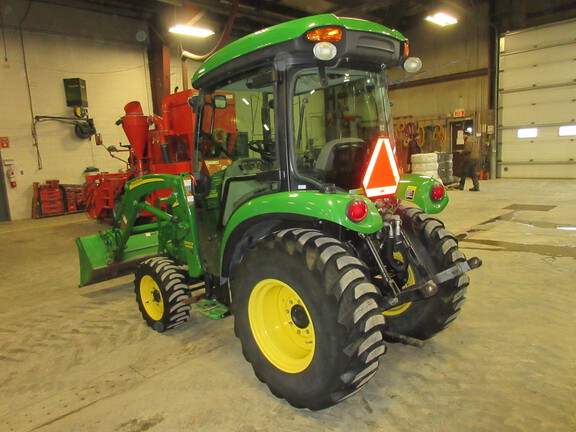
<point>382,175</point>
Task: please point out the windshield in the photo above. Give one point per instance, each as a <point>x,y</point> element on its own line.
<point>337,116</point>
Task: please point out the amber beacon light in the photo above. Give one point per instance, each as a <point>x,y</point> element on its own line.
<point>325,34</point>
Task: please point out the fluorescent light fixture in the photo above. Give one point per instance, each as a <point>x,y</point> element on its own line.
<point>441,19</point>
<point>191,31</point>
<point>245,101</point>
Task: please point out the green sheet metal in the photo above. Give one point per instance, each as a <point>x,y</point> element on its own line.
<point>310,204</point>
<point>416,188</point>
<point>120,249</point>
<point>95,262</point>
<point>284,32</point>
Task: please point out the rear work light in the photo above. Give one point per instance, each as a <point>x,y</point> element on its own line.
<point>357,210</point>
<point>437,192</point>
<point>324,51</point>
<point>325,34</point>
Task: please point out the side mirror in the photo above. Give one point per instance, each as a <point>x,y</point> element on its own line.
<point>219,101</point>
<point>193,102</point>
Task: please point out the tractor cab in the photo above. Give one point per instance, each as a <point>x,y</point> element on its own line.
<point>309,110</point>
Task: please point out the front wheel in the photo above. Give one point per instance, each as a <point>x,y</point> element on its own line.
<point>307,318</point>
<point>161,293</point>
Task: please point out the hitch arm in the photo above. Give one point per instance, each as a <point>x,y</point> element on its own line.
<point>457,270</point>
<point>429,288</point>
<point>417,292</point>
<point>397,296</point>
<point>388,281</point>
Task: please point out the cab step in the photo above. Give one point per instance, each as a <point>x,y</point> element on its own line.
<point>212,309</point>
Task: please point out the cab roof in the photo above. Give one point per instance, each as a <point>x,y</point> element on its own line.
<point>285,32</point>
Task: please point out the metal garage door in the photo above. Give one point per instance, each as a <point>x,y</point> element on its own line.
<point>537,102</point>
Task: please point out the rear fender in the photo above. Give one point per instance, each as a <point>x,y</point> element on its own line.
<point>417,189</point>
<point>307,205</point>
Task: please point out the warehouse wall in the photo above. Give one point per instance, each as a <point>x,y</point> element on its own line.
<point>445,51</point>
<point>52,43</point>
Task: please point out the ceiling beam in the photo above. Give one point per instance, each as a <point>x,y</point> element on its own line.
<point>138,10</point>
<point>250,9</point>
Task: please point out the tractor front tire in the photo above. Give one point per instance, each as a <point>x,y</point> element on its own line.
<point>161,294</point>
<point>438,250</point>
<point>307,318</point>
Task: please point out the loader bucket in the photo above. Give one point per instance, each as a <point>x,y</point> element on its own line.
<point>94,256</point>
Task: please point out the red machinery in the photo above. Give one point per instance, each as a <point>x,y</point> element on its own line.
<point>163,145</point>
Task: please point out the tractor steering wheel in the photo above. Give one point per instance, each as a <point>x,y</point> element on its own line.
<point>266,149</point>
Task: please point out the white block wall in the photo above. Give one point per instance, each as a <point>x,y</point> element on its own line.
<point>109,53</point>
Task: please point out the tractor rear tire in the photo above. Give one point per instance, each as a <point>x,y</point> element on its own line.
<point>307,318</point>
<point>161,293</point>
<point>438,250</point>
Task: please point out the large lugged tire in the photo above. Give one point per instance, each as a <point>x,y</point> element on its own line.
<point>307,318</point>
<point>161,294</point>
<point>438,250</point>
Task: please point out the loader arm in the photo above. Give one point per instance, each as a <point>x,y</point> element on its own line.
<point>120,249</point>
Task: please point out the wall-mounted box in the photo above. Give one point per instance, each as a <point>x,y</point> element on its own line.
<point>75,89</point>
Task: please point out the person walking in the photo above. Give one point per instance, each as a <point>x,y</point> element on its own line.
<point>412,148</point>
<point>471,159</point>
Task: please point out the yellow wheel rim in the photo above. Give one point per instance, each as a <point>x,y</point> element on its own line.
<point>151,298</point>
<point>281,325</point>
<point>411,281</point>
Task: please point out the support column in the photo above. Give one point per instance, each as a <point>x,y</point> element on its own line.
<point>159,63</point>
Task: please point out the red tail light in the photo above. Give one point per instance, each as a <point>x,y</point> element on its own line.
<point>357,210</point>
<point>437,192</point>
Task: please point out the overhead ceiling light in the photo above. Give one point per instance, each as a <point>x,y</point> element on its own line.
<point>191,31</point>
<point>441,19</point>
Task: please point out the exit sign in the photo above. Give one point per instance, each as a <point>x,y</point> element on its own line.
<point>4,142</point>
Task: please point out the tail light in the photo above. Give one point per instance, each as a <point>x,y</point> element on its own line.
<point>437,192</point>
<point>357,210</point>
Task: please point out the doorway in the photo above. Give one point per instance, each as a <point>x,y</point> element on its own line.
<point>4,209</point>
<point>457,128</point>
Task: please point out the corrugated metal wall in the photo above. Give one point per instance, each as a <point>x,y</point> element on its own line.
<point>537,97</point>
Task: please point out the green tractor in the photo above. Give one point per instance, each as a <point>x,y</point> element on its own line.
<point>302,236</point>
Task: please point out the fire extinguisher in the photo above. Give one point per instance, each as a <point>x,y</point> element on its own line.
<point>11,177</point>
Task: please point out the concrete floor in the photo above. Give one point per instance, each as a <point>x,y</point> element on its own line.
<point>83,360</point>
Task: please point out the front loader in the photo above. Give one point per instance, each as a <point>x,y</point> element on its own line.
<point>312,237</point>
